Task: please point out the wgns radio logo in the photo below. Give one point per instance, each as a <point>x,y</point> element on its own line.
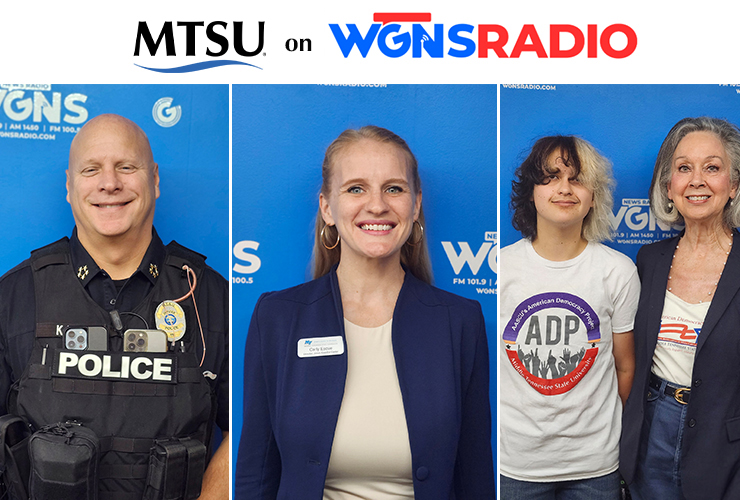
<point>34,111</point>
<point>39,104</point>
<point>470,263</point>
<point>395,34</point>
<point>246,262</point>
<point>165,114</point>
<point>635,224</point>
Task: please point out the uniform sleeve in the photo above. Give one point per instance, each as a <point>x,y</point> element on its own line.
<point>258,465</point>
<point>625,301</point>
<point>17,327</point>
<point>222,391</point>
<point>213,302</point>
<point>5,377</point>
<point>474,465</point>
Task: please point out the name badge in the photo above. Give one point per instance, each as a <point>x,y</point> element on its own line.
<point>320,346</point>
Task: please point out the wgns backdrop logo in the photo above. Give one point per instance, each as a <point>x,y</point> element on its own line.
<point>470,263</point>
<point>246,262</point>
<point>394,39</point>
<point>165,114</point>
<point>635,224</point>
<point>35,111</point>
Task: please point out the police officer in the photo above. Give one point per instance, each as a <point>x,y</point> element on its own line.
<point>115,258</point>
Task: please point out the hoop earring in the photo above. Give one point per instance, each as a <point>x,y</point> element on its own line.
<point>421,234</point>
<point>323,242</point>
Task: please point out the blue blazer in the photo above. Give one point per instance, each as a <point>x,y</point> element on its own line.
<point>710,455</point>
<point>291,404</point>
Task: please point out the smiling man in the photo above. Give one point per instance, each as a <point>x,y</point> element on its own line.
<point>115,331</point>
<point>112,184</point>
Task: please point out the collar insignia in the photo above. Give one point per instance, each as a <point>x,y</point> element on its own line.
<point>153,270</point>
<point>82,272</point>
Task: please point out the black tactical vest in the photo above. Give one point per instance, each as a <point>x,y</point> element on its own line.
<point>129,399</point>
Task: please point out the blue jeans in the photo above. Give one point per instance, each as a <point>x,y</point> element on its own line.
<point>597,488</point>
<point>658,473</point>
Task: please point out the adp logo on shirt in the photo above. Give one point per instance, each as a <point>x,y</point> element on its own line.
<point>551,341</point>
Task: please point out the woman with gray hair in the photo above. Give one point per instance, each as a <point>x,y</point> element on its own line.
<point>681,427</point>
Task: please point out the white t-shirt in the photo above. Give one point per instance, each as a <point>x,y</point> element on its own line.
<point>680,326</point>
<point>560,409</point>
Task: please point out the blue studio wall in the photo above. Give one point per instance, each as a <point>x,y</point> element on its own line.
<point>190,144</point>
<point>280,133</point>
<point>626,123</point>
<point>189,139</point>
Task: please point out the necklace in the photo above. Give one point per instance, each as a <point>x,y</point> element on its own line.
<point>710,292</point>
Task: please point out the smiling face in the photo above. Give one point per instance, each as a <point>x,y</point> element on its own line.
<point>112,181</point>
<point>700,184</point>
<point>562,202</point>
<point>371,200</point>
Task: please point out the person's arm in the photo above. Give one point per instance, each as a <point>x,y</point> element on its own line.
<point>216,478</point>
<point>474,477</point>
<point>258,464</point>
<point>624,360</point>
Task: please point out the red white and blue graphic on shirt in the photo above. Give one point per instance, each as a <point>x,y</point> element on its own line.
<point>678,334</point>
<point>551,341</point>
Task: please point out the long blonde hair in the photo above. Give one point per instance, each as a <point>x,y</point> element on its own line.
<point>414,253</point>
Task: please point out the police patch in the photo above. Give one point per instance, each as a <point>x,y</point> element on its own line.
<point>130,367</point>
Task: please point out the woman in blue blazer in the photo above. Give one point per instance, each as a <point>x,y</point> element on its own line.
<point>681,423</point>
<point>367,382</point>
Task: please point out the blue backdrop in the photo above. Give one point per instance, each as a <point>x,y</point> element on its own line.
<point>280,133</point>
<point>191,147</point>
<point>627,123</point>
<point>189,139</point>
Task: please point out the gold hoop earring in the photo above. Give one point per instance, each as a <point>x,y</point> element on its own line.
<point>421,234</point>
<point>323,242</point>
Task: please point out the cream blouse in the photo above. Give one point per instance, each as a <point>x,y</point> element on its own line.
<point>371,455</point>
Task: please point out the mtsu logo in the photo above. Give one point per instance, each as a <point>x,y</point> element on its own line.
<point>218,41</point>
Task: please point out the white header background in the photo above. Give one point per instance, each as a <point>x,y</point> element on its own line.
<point>93,42</point>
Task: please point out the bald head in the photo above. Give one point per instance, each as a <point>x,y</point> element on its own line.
<point>110,124</point>
<point>112,180</point>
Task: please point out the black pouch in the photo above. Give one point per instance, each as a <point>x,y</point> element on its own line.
<point>176,468</point>
<point>64,463</point>
<point>14,464</point>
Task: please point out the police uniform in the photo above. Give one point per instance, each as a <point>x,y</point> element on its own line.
<point>61,286</point>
